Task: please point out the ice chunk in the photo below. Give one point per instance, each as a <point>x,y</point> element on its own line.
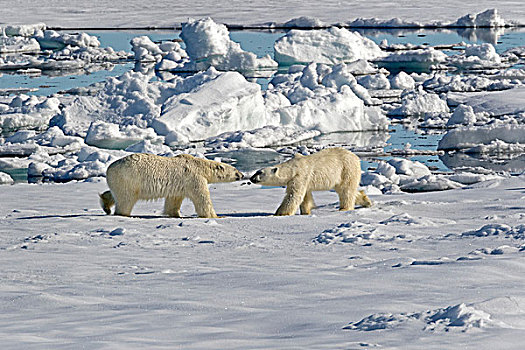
<point>330,46</point>
<point>259,138</point>
<point>402,81</point>
<point>495,103</point>
<point>305,22</point>
<point>208,44</point>
<point>18,44</point>
<point>26,30</point>
<point>109,135</point>
<point>28,112</point>
<point>473,137</point>
<point>226,103</point>
<point>51,39</point>
<point>419,103</point>
<point>339,111</point>
<point>488,18</point>
<point>409,168</point>
<point>462,115</point>
<point>6,179</point>
<point>412,60</point>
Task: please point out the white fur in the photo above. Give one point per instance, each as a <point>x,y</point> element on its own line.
<point>332,168</point>
<point>147,176</point>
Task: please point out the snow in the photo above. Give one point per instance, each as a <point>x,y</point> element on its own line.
<point>124,14</point>
<point>236,280</point>
<point>333,45</point>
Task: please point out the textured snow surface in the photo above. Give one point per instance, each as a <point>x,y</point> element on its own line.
<point>120,13</point>
<point>433,270</point>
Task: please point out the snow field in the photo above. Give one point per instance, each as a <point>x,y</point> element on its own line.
<point>249,276</point>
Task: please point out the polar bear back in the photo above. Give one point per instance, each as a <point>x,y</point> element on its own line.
<point>150,176</point>
<point>330,168</point>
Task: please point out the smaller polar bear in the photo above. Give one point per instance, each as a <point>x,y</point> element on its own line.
<point>331,168</point>
<point>147,176</point>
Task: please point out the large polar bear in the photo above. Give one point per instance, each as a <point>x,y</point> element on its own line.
<point>331,168</point>
<point>147,176</point>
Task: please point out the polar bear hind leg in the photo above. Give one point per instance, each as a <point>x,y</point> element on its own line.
<point>363,200</point>
<point>172,206</point>
<point>308,204</point>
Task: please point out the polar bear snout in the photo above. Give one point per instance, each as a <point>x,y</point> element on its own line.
<point>256,177</point>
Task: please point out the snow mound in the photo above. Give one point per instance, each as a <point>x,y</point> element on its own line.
<point>460,317</point>
<point>406,219</point>
<point>356,232</point>
<point>517,232</point>
<point>330,46</point>
<point>208,44</point>
<point>126,100</point>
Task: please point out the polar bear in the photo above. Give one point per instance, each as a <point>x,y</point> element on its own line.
<point>331,168</point>
<point>147,176</point>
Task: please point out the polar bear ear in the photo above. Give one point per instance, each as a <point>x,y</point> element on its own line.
<point>220,167</point>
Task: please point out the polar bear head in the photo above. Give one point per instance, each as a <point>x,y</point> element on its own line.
<point>221,172</point>
<point>277,175</point>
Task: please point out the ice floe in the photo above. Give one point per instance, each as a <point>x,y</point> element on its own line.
<point>503,138</point>
<point>330,46</point>
<point>27,112</point>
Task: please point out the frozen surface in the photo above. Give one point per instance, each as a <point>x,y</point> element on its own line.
<point>120,13</point>
<point>433,270</point>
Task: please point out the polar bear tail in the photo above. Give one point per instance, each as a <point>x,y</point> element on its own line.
<point>107,201</point>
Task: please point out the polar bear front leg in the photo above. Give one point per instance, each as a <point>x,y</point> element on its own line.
<point>124,202</point>
<point>308,204</point>
<point>172,206</point>
<point>295,193</point>
<point>200,196</point>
